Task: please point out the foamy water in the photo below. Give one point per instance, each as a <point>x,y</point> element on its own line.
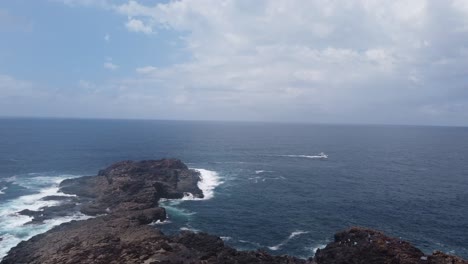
<point>13,227</point>
<point>284,242</point>
<point>209,180</point>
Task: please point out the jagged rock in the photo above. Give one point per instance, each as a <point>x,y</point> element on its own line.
<point>441,258</point>
<point>49,212</point>
<point>137,184</point>
<point>363,245</point>
<point>111,239</point>
<point>59,198</point>
<point>126,196</point>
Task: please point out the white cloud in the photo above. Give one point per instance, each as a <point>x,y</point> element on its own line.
<point>110,66</point>
<point>11,87</point>
<point>317,60</point>
<point>146,69</point>
<point>136,25</point>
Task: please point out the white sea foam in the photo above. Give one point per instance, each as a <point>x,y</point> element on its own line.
<point>12,228</point>
<point>291,236</point>
<point>225,238</point>
<point>316,247</point>
<point>303,156</point>
<point>20,233</point>
<point>209,180</point>
<point>159,222</point>
<point>189,228</point>
<point>2,191</point>
<point>255,179</point>
<point>263,171</point>
<point>171,206</point>
<point>258,179</point>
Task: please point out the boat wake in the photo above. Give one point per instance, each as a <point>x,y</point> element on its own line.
<point>262,171</point>
<point>319,156</point>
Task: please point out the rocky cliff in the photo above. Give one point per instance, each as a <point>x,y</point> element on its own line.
<point>124,200</point>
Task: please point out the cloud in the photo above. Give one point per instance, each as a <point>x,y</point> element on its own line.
<point>314,60</point>
<point>11,87</point>
<point>110,66</point>
<point>107,37</point>
<point>136,25</point>
<point>296,60</point>
<point>146,69</point>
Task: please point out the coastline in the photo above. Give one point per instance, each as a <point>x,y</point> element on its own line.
<point>124,200</point>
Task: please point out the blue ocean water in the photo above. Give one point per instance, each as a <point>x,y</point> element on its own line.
<point>409,181</point>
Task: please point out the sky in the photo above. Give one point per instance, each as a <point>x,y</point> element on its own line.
<point>312,61</point>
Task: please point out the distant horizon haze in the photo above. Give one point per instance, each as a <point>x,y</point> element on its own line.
<point>223,121</point>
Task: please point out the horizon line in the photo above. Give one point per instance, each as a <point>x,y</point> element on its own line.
<point>229,121</point>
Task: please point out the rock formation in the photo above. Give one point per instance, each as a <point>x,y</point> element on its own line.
<point>124,198</point>
<point>362,245</point>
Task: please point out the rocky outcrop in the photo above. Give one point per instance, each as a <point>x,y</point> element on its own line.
<point>362,245</point>
<point>130,185</point>
<point>124,198</point>
<point>109,240</point>
<point>121,188</point>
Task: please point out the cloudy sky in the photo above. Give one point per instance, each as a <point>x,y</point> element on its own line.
<point>348,61</point>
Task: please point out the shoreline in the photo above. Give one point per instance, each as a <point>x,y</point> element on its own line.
<point>124,200</point>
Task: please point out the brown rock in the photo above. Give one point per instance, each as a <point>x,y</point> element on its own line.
<point>363,245</point>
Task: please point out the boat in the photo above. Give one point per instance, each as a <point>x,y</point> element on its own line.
<point>322,155</point>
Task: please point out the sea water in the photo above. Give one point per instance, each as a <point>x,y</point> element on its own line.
<point>265,184</point>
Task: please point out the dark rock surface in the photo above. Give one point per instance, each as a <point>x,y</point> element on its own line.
<point>130,185</point>
<point>125,196</point>
<point>362,245</point>
<point>108,239</point>
<point>49,212</point>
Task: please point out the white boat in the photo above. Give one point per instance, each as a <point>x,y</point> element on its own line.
<point>322,155</point>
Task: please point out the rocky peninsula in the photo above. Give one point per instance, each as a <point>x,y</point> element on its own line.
<point>123,201</point>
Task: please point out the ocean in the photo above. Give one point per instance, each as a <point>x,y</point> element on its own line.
<point>265,187</point>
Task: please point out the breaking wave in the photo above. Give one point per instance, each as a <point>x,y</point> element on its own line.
<point>14,227</point>
<point>291,236</point>
<point>209,180</point>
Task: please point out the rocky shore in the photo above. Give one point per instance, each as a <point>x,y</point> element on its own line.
<point>123,200</point>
